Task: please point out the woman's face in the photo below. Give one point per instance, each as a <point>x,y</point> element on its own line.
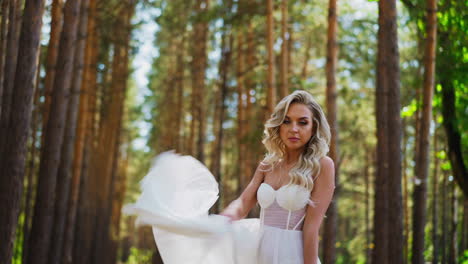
<point>296,129</point>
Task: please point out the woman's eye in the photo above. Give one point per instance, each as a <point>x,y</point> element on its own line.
<point>286,122</point>
<point>303,123</point>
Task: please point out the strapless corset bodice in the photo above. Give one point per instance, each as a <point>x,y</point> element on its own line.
<point>283,208</point>
<point>289,197</point>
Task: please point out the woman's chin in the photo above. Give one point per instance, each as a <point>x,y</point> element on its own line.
<point>294,147</point>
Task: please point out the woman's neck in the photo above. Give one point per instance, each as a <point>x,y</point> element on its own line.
<point>292,156</point>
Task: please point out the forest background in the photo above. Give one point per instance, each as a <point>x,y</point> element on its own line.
<point>91,91</point>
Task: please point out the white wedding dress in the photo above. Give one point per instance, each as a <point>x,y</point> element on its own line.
<point>176,196</point>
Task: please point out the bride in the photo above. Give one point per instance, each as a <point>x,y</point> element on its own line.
<point>293,185</point>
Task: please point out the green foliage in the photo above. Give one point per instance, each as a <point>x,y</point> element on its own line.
<point>140,256</point>
<point>19,243</point>
<point>409,110</point>
<point>463,259</point>
<point>452,63</point>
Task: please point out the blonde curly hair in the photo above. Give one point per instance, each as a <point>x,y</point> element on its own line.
<point>307,168</point>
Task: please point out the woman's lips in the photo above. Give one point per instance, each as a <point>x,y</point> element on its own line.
<point>293,139</point>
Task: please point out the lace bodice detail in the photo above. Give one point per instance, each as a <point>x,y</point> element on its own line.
<point>283,208</point>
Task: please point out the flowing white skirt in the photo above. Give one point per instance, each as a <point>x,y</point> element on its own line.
<point>176,196</point>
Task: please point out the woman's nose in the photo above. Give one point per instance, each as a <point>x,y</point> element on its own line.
<point>294,128</point>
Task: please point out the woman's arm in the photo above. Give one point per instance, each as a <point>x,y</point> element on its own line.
<point>322,194</point>
<point>240,207</point>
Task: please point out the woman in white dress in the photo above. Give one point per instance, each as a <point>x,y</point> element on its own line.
<point>293,185</point>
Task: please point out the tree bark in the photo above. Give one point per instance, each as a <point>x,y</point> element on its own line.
<point>445,69</point>
<point>86,32</point>
<point>406,231</point>
<point>78,240</point>
<point>422,163</point>
<point>304,71</point>
<point>271,90</point>
<point>31,170</point>
<point>117,201</point>
<point>14,151</point>
<point>225,62</point>
<point>284,49</point>
<point>443,245</point>
<point>5,6</point>
<point>453,249</point>
<point>329,236</point>
<point>39,241</point>
<point>198,74</point>
<point>387,217</point>
<point>435,200</point>
<point>51,64</point>
<point>455,153</point>
<point>64,176</point>
<point>243,179</point>
<point>464,235</point>
<point>380,253</point>
<point>179,113</point>
<point>250,152</point>
<point>107,153</point>
<point>11,57</point>
<point>395,223</point>
<point>368,205</point>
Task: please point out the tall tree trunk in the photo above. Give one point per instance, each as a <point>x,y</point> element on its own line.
<point>455,155</point>
<point>179,113</point>
<point>304,71</point>
<point>107,152</point>
<point>388,212</point>
<point>116,195</point>
<point>31,170</point>
<point>5,6</point>
<point>329,236</point>
<point>64,176</point>
<point>39,241</point>
<point>443,244</point>
<point>290,50</point>
<point>453,250</point>
<point>271,90</point>
<point>225,62</point>
<point>82,235</point>
<point>405,195</point>
<point>250,152</point>
<point>395,223</point>
<point>243,179</point>
<point>422,163</point>
<point>14,151</point>
<point>464,234</point>
<point>367,181</point>
<point>11,57</point>
<point>198,71</point>
<point>52,53</point>
<point>117,201</point>
<point>284,49</point>
<point>435,200</point>
<point>78,240</point>
<point>110,237</point>
<point>444,73</point>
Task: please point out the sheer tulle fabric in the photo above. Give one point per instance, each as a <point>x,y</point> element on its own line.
<point>176,195</point>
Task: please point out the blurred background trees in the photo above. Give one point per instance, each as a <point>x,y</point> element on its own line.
<point>92,90</point>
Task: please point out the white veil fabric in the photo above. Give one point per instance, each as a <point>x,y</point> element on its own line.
<point>175,198</point>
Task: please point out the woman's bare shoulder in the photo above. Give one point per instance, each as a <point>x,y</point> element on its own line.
<point>327,171</point>
<point>262,169</point>
<point>263,165</point>
<point>327,163</point>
